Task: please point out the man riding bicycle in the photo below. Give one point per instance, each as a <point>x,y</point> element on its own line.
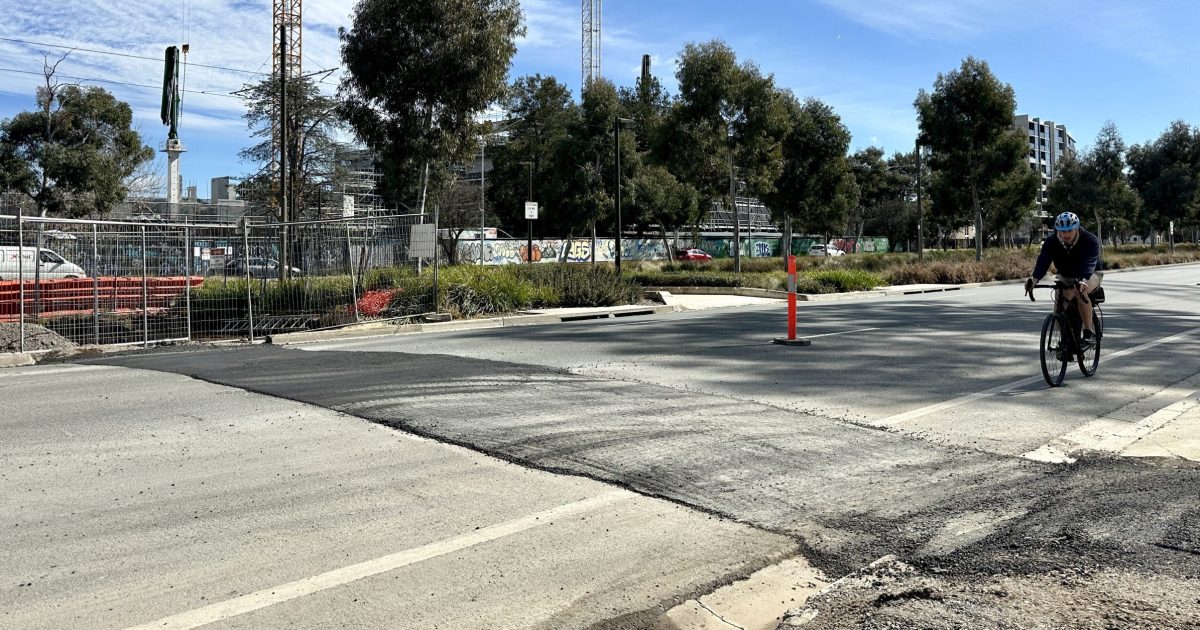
<point>1075,253</point>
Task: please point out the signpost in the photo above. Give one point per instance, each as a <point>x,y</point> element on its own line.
<point>531,214</point>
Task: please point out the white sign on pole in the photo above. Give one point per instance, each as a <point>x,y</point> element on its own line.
<point>347,205</point>
<point>531,209</point>
<point>421,241</point>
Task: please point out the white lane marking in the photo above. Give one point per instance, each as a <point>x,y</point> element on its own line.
<point>48,371</point>
<point>844,332</point>
<point>337,577</point>
<point>1112,436</point>
<point>970,398</point>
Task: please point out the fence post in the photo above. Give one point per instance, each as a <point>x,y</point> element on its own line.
<point>353,282</point>
<point>95,285</point>
<point>187,253</point>
<point>21,278</point>
<point>246,260</point>
<point>145,295</point>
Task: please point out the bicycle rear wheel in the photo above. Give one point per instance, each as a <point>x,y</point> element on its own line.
<point>1089,359</point>
<point>1055,353</point>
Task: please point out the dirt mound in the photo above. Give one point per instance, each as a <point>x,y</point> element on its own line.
<point>37,337</point>
<point>892,594</point>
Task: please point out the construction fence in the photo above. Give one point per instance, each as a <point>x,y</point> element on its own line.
<point>143,282</point>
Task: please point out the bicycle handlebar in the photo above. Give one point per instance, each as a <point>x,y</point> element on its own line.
<point>1060,284</point>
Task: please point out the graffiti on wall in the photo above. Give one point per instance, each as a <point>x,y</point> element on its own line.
<point>506,251</point>
<point>510,251</point>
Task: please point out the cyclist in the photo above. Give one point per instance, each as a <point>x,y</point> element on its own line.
<point>1075,253</point>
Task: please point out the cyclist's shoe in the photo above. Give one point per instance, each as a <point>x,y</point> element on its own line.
<point>1088,341</point>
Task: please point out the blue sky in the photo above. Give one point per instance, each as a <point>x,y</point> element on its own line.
<point>1077,62</point>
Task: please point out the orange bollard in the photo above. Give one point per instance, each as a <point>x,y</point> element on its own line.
<point>791,339</point>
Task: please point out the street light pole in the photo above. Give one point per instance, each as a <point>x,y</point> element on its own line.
<point>482,205</point>
<point>620,223</point>
<point>731,113</point>
<point>737,223</point>
<point>529,197</point>
<point>920,210</point>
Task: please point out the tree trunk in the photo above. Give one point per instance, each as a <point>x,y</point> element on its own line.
<point>786,250</point>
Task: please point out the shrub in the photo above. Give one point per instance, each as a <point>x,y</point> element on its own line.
<point>845,280</point>
<point>681,279</point>
<point>387,277</point>
<point>564,284</point>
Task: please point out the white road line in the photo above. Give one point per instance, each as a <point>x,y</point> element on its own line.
<point>845,332</point>
<point>1114,436</point>
<point>48,371</point>
<point>307,586</point>
<point>921,412</point>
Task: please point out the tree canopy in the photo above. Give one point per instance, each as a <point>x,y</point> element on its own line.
<point>815,189</point>
<point>1166,173</point>
<point>313,124</point>
<point>73,155</point>
<point>418,72</point>
<point>977,158</point>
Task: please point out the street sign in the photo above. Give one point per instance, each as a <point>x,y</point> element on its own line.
<point>531,210</point>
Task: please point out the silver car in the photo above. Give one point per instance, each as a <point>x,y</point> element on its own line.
<point>259,268</point>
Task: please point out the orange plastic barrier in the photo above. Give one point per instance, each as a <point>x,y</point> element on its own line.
<point>78,296</point>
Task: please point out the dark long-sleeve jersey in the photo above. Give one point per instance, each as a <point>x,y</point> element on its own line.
<point>1077,261</point>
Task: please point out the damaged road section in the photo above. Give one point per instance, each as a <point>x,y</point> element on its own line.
<point>849,494</point>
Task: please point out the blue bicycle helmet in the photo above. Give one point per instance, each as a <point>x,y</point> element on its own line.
<point>1066,221</point>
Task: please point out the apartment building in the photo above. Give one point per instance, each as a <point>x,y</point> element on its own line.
<point>1049,144</point>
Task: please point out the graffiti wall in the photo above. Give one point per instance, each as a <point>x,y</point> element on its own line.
<point>509,251</point>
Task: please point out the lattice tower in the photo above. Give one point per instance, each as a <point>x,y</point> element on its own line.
<point>286,14</point>
<point>591,41</point>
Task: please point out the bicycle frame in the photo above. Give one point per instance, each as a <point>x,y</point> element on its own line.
<point>1067,319</point>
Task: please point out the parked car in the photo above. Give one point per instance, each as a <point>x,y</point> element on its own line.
<point>698,255</point>
<point>18,262</point>
<point>259,268</point>
<point>825,250</point>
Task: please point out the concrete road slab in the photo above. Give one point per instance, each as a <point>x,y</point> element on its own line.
<point>155,500</point>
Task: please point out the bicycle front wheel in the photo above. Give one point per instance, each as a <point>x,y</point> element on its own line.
<point>1089,359</point>
<point>1055,354</point>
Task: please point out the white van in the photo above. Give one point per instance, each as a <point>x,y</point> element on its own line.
<point>52,265</point>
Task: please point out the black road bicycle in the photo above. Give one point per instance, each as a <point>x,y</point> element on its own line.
<point>1062,333</point>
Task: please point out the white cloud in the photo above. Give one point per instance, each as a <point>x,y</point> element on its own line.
<point>551,24</point>
<point>936,20</point>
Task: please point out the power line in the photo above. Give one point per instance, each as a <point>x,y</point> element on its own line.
<point>117,54</point>
<point>137,85</point>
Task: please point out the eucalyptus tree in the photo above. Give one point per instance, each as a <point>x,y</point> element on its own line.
<point>977,157</point>
<point>727,125</point>
<point>418,73</point>
<point>542,112</point>
<point>1166,173</point>
<point>583,179</point>
<point>313,125</point>
<point>815,189</point>
<point>1095,185</point>
<point>74,155</point>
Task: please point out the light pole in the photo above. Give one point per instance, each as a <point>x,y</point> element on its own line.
<point>529,197</point>
<point>731,115</point>
<point>920,210</point>
<point>482,203</point>
<point>617,150</point>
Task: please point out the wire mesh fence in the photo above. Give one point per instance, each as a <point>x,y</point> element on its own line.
<point>130,282</point>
